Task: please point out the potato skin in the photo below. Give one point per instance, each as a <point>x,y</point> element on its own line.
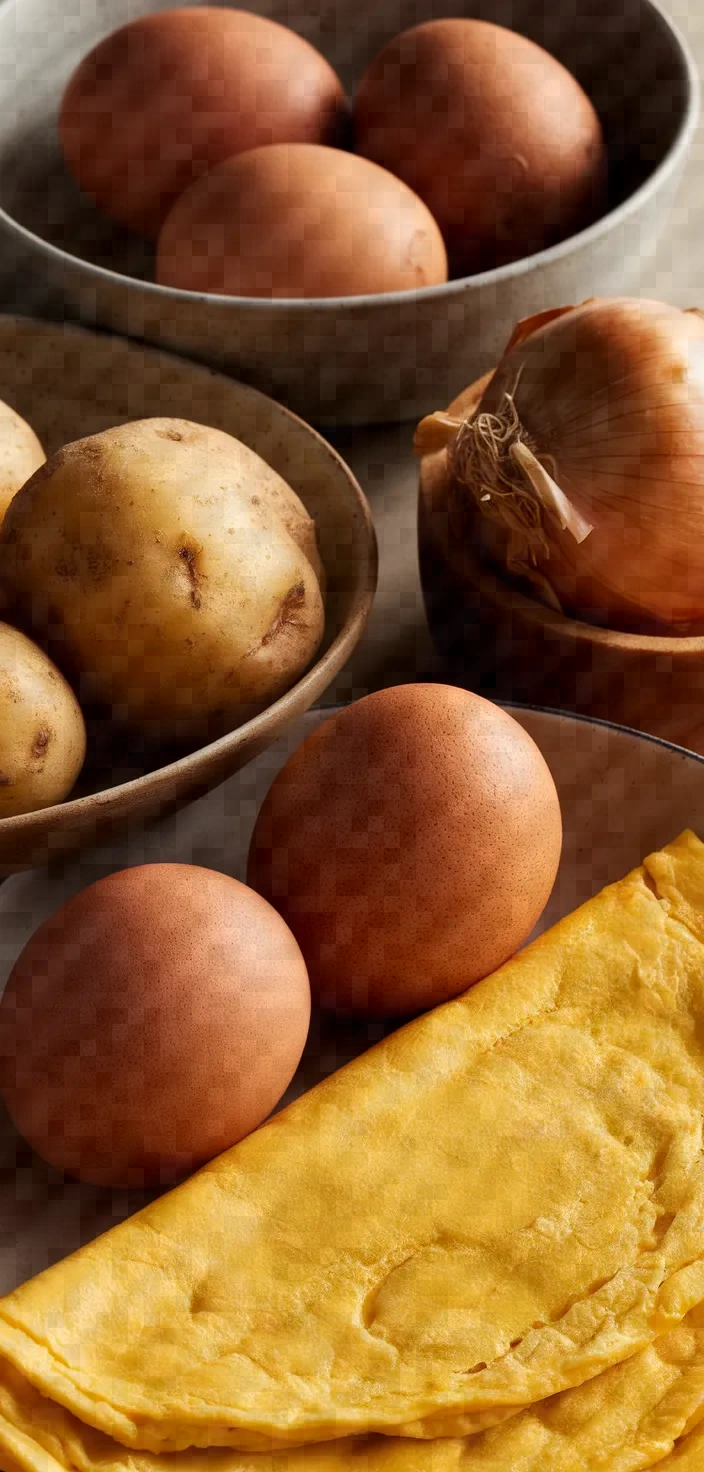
<point>279,497</point>
<point>42,734</point>
<point>20,454</point>
<point>170,95</point>
<point>152,563</point>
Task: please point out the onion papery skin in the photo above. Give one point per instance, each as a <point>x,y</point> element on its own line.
<point>610,399</point>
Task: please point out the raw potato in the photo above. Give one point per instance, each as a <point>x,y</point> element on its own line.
<point>42,735</point>
<point>164,565</point>
<point>277,495</point>
<point>20,454</point>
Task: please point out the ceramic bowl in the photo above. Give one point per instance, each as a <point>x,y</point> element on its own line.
<point>67,383</point>
<point>350,360</point>
<point>622,795</point>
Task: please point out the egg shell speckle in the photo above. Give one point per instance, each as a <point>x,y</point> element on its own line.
<point>491,131</point>
<point>299,220</point>
<point>163,99</point>
<point>411,843</point>
<point>154,1020</point>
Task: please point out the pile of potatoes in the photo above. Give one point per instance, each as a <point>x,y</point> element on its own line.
<point>159,573</point>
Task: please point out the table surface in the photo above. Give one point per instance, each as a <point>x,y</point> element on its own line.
<point>397,645</point>
<point>40,1217</point>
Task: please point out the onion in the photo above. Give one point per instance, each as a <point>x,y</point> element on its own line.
<point>583,463</point>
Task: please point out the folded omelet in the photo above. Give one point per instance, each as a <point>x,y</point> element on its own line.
<point>500,1201</point>
<point>628,1418</point>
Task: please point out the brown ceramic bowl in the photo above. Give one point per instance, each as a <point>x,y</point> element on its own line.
<point>67,383</point>
<point>507,645</point>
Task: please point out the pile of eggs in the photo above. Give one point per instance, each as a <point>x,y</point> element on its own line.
<point>228,140</point>
<point>404,851</point>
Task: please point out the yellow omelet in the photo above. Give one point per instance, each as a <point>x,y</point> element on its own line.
<point>628,1418</point>
<point>500,1201</point>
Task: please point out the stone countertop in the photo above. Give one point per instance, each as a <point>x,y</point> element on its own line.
<point>397,645</point>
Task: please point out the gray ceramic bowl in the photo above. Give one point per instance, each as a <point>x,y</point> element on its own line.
<point>349,360</point>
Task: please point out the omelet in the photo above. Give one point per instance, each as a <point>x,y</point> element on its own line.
<point>499,1202</point>
<point>628,1418</point>
<point>688,1455</point>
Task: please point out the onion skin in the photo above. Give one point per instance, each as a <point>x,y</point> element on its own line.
<point>610,398</point>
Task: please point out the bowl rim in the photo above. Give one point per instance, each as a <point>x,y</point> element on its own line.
<point>350,305</point>
<point>518,604</point>
<point>585,720</point>
<point>294,701</point>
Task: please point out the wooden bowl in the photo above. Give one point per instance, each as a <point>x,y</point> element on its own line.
<point>67,383</point>
<point>508,646</point>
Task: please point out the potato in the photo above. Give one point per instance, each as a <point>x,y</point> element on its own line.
<point>20,454</point>
<point>168,570</point>
<point>42,735</point>
<point>279,497</point>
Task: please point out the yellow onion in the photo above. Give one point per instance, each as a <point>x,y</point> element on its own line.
<point>583,463</point>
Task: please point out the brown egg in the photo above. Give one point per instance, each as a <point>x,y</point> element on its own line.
<point>171,94</point>
<point>491,131</point>
<point>411,843</point>
<point>150,1023</point>
<point>299,220</point>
